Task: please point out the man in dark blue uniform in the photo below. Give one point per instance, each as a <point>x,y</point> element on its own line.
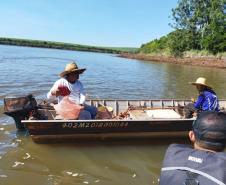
<point>205,163</point>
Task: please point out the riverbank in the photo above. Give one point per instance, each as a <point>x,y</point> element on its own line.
<point>64,46</point>
<point>204,61</point>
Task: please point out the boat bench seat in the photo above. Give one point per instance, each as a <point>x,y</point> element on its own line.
<point>154,114</point>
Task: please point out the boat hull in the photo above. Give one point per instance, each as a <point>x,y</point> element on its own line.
<point>139,124</point>
<point>60,130</point>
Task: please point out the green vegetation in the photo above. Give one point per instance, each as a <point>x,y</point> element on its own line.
<point>199,25</point>
<point>61,45</point>
<point>124,49</point>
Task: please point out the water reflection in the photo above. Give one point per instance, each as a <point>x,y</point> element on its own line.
<point>173,80</point>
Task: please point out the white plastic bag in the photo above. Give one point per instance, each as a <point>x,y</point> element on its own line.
<point>67,109</point>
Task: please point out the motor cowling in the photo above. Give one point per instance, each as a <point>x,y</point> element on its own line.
<point>19,108</point>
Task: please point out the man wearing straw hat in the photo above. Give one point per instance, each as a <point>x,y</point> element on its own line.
<point>69,85</point>
<point>207,99</point>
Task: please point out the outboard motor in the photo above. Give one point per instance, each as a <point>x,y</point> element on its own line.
<point>19,108</point>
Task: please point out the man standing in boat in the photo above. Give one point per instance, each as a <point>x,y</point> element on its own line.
<point>69,85</point>
<point>205,163</point>
<point>207,99</point>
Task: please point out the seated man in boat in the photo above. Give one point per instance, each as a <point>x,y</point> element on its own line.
<point>69,85</point>
<point>205,163</point>
<point>207,99</point>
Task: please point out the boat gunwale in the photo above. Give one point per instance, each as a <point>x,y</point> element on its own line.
<point>107,120</point>
<point>92,101</point>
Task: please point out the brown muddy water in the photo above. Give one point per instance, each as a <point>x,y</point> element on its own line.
<point>32,70</point>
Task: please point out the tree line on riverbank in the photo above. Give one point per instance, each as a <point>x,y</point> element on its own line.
<point>200,25</point>
<point>200,30</point>
<point>62,45</point>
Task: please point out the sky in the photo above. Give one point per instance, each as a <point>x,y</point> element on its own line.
<point>112,23</point>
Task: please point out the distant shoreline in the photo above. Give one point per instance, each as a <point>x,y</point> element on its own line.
<point>194,61</point>
<point>62,45</point>
<point>204,61</point>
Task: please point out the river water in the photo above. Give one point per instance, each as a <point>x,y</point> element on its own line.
<point>33,70</point>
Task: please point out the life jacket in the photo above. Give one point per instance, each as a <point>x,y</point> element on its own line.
<point>186,166</point>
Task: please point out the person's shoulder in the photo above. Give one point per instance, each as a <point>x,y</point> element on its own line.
<point>221,155</point>
<point>61,81</point>
<point>176,148</point>
<point>176,154</point>
<point>209,91</point>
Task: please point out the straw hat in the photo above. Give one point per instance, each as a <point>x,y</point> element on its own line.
<point>72,67</point>
<point>200,81</point>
